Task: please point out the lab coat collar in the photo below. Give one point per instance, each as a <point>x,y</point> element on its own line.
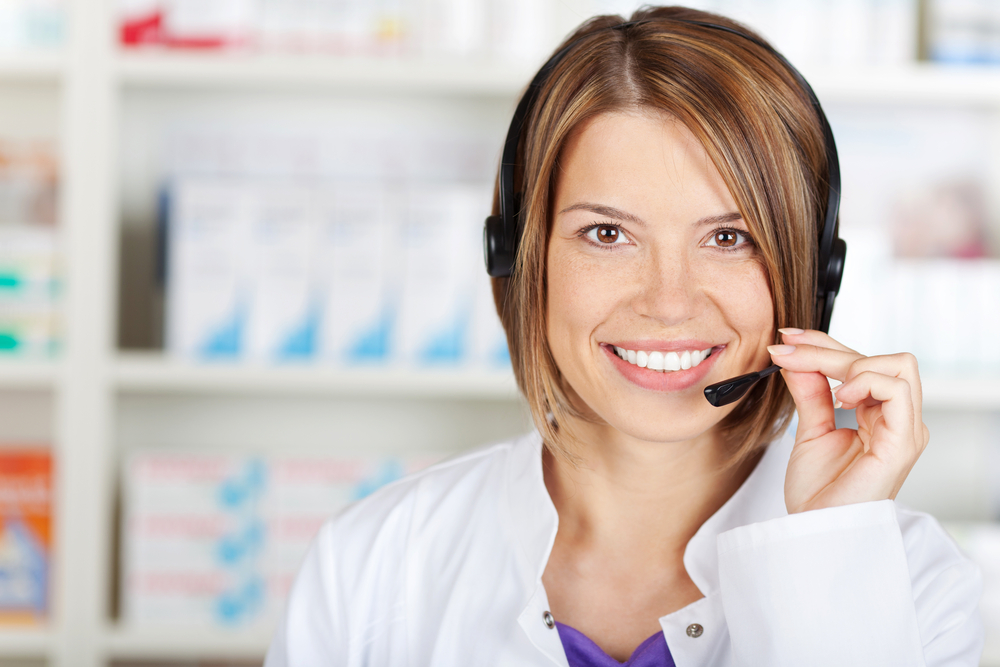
<point>535,521</point>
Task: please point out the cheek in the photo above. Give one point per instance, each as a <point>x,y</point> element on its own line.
<point>747,301</point>
<point>578,299</point>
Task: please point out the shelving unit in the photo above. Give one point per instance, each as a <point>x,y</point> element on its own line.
<point>93,383</point>
<point>184,644</point>
<point>234,71</point>
<point>42,66</point>
<point>28,374</point>
<point>138,373</point>
<point>25,644</point>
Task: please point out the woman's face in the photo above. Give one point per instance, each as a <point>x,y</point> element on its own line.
<point>648,255</point>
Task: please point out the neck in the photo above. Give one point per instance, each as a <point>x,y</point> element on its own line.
<point>644,500</point>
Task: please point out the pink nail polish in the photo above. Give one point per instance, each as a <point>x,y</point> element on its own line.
<point>791,331</point>
<point>780,350</point>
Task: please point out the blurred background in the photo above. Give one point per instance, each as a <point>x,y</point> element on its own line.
<point>241,281</point>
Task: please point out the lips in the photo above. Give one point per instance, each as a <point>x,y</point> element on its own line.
<point>661,366</point>
<point>667,362</point>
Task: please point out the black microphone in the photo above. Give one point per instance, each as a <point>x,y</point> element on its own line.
<point>733,389</point>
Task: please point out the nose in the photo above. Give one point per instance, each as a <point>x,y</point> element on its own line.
<point>667,289</point>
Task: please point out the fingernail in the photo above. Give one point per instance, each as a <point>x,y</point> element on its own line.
<point>780,350</point>
<point>838,404</point>
<point>791,331</point>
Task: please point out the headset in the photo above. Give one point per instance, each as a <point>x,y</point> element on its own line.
<point>501,234</point>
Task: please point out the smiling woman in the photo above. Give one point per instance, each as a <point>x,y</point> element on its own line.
<point>673,174</point>
<point>736,108</point>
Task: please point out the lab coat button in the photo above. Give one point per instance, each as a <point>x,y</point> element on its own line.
<point>695,630</point>
<point>549,621</point>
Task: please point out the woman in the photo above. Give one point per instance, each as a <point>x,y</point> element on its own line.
<point>674,177</point>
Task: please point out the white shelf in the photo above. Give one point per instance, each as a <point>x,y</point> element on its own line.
<point>152,373</point>
<point>26,642</point>
<point>919,82</point>
<point>186,644</point>
<point>27,374</point>
<point>243,70</point>
<point>31,66</point>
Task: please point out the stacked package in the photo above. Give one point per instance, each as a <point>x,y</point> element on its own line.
<point>517,29</point>
<point>285,257</point>
<point>217,539</point>
<point>29,250</point>
<point>25,534</point>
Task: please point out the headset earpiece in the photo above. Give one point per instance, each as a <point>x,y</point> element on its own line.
<point>827,292</point>
<point>499,258</point>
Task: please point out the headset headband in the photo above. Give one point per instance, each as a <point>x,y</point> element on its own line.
<point>501,234</point>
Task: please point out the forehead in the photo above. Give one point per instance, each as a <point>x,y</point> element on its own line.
<point>640,159</point>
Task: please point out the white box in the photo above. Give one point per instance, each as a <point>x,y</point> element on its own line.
<point>195,540</point>
<point>208,243</point>
<point>441,228</point>
<point>354,269</point>
<point>284,314</point>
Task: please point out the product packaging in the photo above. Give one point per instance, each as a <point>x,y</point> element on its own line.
<point>215,540</point>
<point>438,237</point>
<point>356,272</point>
<point>284,313</point>
<point>194,540</point>
<point>29,290</point>
<point>208,254</point>
<point>25,534</point>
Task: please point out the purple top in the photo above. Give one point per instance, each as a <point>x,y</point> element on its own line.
<point>581,651</point>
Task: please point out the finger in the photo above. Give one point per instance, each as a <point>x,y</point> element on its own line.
<point>812,359</point>
<point>812,337</point>
<point>904,366</point>
<point>814,403</point>
<point>896,405</point>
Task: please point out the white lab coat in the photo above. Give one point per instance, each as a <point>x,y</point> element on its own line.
<point>444,568</point>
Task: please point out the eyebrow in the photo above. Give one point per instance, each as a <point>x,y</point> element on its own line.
<point>618,214</point>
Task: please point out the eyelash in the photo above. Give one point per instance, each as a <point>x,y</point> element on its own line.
<point>603,246</point>
<point>748,240</point>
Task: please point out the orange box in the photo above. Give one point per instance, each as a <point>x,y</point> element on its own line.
<point>25,534</point>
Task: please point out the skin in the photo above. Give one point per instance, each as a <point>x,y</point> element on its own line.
<point>647,245</point>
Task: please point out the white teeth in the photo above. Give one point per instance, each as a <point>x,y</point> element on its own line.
<point>655,362</point>
<point>672,362</point>
<point>664,361</point>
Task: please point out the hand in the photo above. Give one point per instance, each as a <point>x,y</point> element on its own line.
<point>830,467</point>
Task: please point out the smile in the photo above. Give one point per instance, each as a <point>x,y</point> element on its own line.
<point>665,362</point>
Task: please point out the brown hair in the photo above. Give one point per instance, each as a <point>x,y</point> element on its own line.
<point>758,127</point>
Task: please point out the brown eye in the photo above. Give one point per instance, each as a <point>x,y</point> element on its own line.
<point>726,238</point>
<point>607,234</point>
